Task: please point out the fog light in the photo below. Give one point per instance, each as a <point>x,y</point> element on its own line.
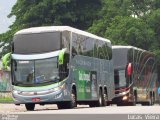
<point>124,98</point>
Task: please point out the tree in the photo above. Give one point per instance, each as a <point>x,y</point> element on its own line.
<point>113,8</point>
<point>76,13</point>
<point>131,31</point>
<point>110,9</point>
<point>5,42</point>
<point>152,19</point>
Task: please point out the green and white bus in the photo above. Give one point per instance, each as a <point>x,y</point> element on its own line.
<point>135,72</point>
<point>61,65</point>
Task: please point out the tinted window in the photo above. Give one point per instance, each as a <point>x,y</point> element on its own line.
<point>66,40</point>
<point>91,47</point>
<point>88,47</point>
<point>96,48</point>
<point>101,53</point>
<point>77,43</point>
<point>82,45</point>
<point>36,43</point>
<point>109,50</point>
<point>104,51</point>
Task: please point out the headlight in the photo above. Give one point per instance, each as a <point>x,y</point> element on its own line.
<point>123,93</point>
<point>124,98</point>
<point>39,92</point>
<point>57,88</point>
<point>16,92</point>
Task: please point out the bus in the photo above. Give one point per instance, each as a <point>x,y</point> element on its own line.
<point>135,75</point>
<point>61,65</point>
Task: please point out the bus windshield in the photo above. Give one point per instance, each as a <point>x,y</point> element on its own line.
<point>35,72</point>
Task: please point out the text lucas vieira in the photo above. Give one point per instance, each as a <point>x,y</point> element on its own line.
<point>143,117</point>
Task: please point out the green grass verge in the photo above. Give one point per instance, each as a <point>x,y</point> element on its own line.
<point>6,100</point>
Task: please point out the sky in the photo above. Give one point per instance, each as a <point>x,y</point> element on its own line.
<point>5,9</point>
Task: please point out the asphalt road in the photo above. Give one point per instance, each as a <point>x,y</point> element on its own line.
<point>81,109</point>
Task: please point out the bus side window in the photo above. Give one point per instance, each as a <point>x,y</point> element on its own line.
<point>74,52</point>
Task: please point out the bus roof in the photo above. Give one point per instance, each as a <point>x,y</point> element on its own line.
<point>58,28</point>
<point>128,47</point>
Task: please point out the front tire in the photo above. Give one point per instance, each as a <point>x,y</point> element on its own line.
<point>30,106</point>
<point>70,104</point>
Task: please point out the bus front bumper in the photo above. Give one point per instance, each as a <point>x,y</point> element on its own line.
<point>30,97</point>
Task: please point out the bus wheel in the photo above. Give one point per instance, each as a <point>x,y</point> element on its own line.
<point>133,103</point>
<point>105,99</point>
<point>69,104</point>
<point>153,99</point>
<point>72,103</point>
<point>30,106</point>
<point>99,102</point>
<point>150,102</point>
<point>100,99</point>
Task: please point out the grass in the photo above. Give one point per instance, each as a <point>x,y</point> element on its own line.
<point>6,100</point>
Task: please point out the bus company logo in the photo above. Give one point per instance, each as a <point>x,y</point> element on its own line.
<point>7,116</point>
<point>84,76</point>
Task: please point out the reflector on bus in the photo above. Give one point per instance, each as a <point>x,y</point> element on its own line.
<point>129,69</point>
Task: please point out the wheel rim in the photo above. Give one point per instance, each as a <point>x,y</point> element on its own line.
<point>73,99</point>
<point>105,99</point>
<point>134,100</point>
<point>100,99</point>
<point>150,100</point>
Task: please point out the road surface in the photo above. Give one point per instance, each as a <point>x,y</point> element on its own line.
<point>81,109</point>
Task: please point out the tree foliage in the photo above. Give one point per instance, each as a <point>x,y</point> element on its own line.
<point>76,13</point>
<point>131,31</point>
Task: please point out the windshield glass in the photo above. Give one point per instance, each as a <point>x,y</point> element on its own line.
<point>120,79</point>
<point>38,72</point>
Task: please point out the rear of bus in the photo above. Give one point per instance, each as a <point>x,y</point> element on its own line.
<point>122,75</point>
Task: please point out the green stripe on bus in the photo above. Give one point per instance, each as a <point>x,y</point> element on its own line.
<point>40,86</point>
